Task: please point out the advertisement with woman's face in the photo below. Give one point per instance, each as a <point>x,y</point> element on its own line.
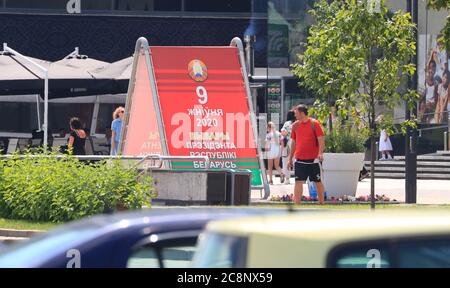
<point>433,71</point>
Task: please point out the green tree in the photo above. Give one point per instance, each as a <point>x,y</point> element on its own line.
<point>438,5</point>
<point>359,57</point>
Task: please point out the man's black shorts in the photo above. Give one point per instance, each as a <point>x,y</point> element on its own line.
<point>305,169</point>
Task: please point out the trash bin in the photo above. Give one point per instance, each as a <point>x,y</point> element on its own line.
<point>238,187</point>
<point>216,187</point>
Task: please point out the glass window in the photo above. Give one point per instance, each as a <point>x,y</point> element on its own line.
<point>33,4</point>
<point>364,256</point>
<point>218,6</point>
<point>134,5</point>
<point>221,251</point>
<point>18,117</point>
<point>167,5</point>
<point>260,6</point>
<point>59,115</point>
<point>428,253</point>
<point>104,117</point>
<point>424,254</point>
<point>145,257</point>
<point>100,5</point>
<point>177,257</point>
<point>172,253</point>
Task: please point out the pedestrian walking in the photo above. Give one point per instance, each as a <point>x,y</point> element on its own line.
<point>385,145</point>
<point>116,129</point>
<point>273,148</point>
<point>77,138</point>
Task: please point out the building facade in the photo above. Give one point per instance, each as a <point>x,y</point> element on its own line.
<point>107,30</point>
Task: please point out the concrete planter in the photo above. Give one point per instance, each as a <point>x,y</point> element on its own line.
<point>341,173</point>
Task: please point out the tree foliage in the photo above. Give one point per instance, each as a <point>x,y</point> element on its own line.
<point>357,58</point>
<point>439,5</point>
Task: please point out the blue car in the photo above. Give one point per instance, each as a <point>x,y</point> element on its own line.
<point>153,238</point>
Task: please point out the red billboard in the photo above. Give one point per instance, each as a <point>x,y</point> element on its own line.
<point>204,106</point>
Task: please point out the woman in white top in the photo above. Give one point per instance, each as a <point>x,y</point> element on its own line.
<point>273,148</point>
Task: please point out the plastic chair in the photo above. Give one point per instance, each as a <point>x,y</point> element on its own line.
<point>100,146</point>
<point>12,145</point>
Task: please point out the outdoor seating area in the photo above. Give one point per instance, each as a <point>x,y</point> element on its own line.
<point>94,145</point>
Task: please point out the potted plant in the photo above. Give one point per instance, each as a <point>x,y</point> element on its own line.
<point>344,154</point>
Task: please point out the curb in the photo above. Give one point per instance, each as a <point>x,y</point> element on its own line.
<point>305,203</point>
<point>19,233</point>
<point>11,240</point>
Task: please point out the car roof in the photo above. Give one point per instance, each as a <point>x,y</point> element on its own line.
<point>159,219</point>
<point>337,227</point>
<point>157,215</point>
<point>154,220</point>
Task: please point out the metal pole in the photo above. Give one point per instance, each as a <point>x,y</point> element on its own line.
<point>75,53</point>
<point>38,112</point>
<point>45,72</point>
<point>411,134</point>
<point>237,42</point>
<point>250,53</point>
<point>445,141</point>
<point>45,126</point>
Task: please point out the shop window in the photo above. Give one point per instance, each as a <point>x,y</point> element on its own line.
<point>33,4</point>
<point>242,6</point>
<point>104,117</point>
<point>134,5</point>
<point>18,117</point>
<point>59,115</point>
<point>99,5</point>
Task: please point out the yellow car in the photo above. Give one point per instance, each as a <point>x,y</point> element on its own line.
<point>329,239</point>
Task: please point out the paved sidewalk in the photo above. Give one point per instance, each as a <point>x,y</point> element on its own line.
<point>428,191</point>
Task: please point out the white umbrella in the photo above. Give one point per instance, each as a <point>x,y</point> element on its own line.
<point>119,70</point>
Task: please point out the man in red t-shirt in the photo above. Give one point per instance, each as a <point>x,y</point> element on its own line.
<point>307,145</point>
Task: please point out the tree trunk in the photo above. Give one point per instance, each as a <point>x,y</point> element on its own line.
<point>330,126</point>
<point>372,170</point>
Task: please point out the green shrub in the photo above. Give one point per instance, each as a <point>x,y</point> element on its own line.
<point>51,189</point>
<point>344,141</point>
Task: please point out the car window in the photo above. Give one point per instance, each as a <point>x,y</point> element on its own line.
<point>361,256</point>
<point>424,254</point>
<point>145,257</point>
<point>177,257</point>
<point>171,254</point>
<point>402,253</point>
<point>220,251</point>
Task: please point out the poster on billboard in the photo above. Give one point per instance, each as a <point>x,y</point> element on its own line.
<point>433,71</point>
<point>204,106</point>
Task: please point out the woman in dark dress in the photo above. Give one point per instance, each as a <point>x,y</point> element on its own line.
<point>77,138</point>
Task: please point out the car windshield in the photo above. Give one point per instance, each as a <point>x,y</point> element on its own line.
<point>220,251</point>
